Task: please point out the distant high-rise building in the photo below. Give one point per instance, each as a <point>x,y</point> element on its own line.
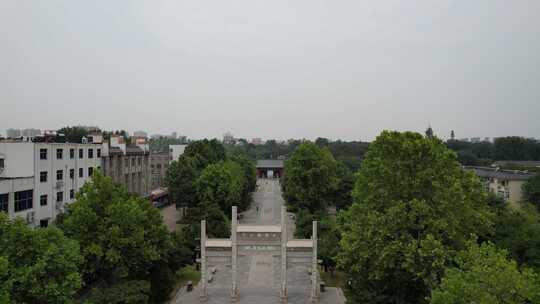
<point>228,138</point>
<point>31,132</point>
<point>12,133</point>
<point>140,134</point>
<point>256,141</point>
<point>174,135</point>
<point>475,139</point>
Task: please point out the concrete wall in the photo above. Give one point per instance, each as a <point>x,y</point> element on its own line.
<point>18,159</point>
<point>175,151</point>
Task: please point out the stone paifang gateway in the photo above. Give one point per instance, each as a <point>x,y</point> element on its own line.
<point>259,240</point>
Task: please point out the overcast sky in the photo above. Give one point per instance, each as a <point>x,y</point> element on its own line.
<point>272,69</point>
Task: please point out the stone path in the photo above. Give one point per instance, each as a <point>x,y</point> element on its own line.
<point>258,275</point>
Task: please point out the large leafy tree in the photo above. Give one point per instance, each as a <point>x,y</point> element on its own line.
<point>518,231</point>
<point>206,152</point>
<point>311,178</point>
<point>121,236</point>
<point>74,134</point>
<point>181,177</point>
<point>485,275</point>
<point>220,185</point>
<point>414,209</point>
<point>37,266</point>
<point>531,190</point>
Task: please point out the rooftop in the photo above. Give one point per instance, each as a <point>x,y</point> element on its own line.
<point>500,174</point>
<point>270,163</point>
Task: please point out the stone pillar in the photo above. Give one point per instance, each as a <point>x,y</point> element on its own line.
<point>234,254</point>
<point>314,270</point>
<point>284,238</point>
<point>203,296</point>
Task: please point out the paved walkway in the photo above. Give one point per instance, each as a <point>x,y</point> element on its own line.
<point>259,275</point>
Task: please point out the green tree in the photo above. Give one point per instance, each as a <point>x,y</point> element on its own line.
<point>311,179</point>
<point>220,185</point>
<point>531,190</point>
<point>342,197</point>
<point>206,152</point>
<point>5,282</point>
<point>485,275</point>
<point>249,176</point>
<point>328,246</point>
<point>37,265</point>
<point>414,209</point>
<point>74,134</point>
<point>129,292</point>
<point>518,231</point>
<point>181,177</point>
<point>121,236</point>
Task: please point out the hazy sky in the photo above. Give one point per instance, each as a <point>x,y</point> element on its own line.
<point>272,69</point>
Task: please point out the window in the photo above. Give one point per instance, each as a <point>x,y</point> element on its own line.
<point>81,153</point>
<point>133,162</point>
<point>4,200</point>
<point>98,152</point>
<point>71,194</point>
<point>43,176</point>
<point>71,153</point>
<point>159,166</point>
<point>23,200</point>
<point>90,171</point>
<point>59,153</point>
<point>2,163</point>
<point>72,173</point>
<point>98,167</point>
<point>90,153</point>
<point>60,196</point>
<point>43,200</point>
<point>126,162</point>
<point>59,175</point>
<point>42,153</point>
<point>43,223</point>
<point>81,174</point>
<point>139,161</point>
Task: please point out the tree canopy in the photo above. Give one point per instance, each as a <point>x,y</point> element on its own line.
<point>310,178</point>
<point>485,275</point>
<point>531,190</point>
<point>37,265</point>
<point>122,237</point>
<point>414,208</point>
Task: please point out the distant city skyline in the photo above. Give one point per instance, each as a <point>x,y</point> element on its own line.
<point>279,69</point>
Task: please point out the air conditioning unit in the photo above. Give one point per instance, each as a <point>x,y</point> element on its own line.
<point>30,216</point>
<point>59,185</point>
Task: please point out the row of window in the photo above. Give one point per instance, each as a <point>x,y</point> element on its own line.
<point>43,175</point>
<point>24,200</point>
<point>43,153</point>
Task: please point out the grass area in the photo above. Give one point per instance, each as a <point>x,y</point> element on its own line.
<point>188,273</point>
<point>184,275</point>
<point>337,280</point>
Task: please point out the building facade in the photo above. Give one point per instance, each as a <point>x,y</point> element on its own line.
<point>175,151</point>
<point>159,163</point>
<point>506,184</point>
<point>39,179</point>
<point>270,168</point>
<point>128,166</point>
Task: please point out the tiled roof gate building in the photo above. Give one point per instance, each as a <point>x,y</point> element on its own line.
<point>269,168</point>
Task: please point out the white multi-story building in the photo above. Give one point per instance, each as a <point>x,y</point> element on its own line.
<point>38,179</point>
<point>175,151</point>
